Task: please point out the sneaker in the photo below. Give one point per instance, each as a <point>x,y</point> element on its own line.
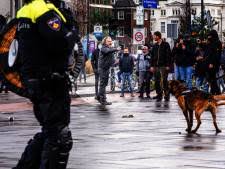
<point>97,98</point>
<point>148,97</point>
<point>122,95</point>
<point>157,96</point>
<point>106,103</point>
<point>159,99</point>
<point>167,98</point>
<point>132,95</point>
<point>141,96</point>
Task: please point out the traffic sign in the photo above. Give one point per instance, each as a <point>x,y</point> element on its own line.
<point>139,15</point>
<point>150,3</point>
<point>138,36</point>
<point>98,29</point>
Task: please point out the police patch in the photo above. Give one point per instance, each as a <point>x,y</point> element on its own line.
<point>54,24</point>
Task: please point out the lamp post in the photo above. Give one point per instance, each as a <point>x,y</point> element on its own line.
<point>88,26</point>
<point>202,14</point>
<point>188,17</point>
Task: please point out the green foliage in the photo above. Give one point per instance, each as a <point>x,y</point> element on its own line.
<point>197,26</point>
<point>101,18</point>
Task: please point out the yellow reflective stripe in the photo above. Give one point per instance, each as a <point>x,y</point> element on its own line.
<point>52,7</point>
<point>37,8</point>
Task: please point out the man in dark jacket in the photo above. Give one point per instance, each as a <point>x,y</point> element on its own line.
<point>161,61</point>
<point>213,55</point>
<point>94,63</point>
<point>126,65</point>
<point>105,61</point>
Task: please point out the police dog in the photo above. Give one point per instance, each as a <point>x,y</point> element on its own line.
<point>195,101</point>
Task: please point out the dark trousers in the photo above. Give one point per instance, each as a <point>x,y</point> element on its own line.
<point>49,149</point>
<point>144,82</point>
<point>211,78</point>
<point>161,82</point>
<point>96,83</point>
<point>104,78</point>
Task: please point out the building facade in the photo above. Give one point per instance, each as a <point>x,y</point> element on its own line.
<point>8,8</point>
<point>124,22</point>
<point>166,18</point>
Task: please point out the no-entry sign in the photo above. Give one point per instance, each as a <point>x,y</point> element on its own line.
<point>138,36</point>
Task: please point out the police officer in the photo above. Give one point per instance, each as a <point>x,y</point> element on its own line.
<point>46,38</point>
<point>105,61</point>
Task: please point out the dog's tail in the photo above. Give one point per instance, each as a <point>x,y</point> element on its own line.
<point>219,97</point>
<point>220,103</point>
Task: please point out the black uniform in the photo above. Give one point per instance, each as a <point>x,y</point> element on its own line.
<point>46,41</point>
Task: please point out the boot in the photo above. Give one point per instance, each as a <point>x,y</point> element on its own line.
<point>141,96</point>
<point>104,102</point>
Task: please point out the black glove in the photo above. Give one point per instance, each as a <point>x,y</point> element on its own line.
<point>137,73</point>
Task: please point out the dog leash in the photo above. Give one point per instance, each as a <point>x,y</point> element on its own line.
<point>220,76</point>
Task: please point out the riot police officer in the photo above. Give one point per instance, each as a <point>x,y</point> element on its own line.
<point>46,38</point>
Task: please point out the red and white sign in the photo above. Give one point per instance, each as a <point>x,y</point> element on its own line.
<point>138,36</point>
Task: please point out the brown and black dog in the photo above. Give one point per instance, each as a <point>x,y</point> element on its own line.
<point>195,101</point>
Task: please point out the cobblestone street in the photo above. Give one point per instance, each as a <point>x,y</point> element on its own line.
<point>153,136</point>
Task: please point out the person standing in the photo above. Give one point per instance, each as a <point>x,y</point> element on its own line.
<point>213,55</point>
<point>126,65</point>
<point>105,61</point>
<point>144,74</point>
<point>186,61</point>
<point>161,61</point>
<point>47,37</point>
<point>94,63</point>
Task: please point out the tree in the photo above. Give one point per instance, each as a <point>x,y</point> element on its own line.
<point>80,11</point>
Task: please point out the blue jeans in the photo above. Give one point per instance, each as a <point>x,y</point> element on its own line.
<point>177,72</point>
<point>202,84</point>
<point>126,77</point>
<point>186,75</point>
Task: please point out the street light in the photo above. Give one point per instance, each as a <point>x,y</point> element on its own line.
<point>88,26</point>
<point>202,14</point>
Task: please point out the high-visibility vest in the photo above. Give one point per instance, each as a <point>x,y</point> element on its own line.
<point>37,8</point>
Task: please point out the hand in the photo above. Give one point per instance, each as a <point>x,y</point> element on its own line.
<point>167,68</point>
<point>211,66</point>
<point>118,48</point>
<point>152,69</point>
<point>183,47</point>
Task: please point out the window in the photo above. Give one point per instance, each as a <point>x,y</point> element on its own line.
<point>163,12</point>
<point>113,1</point>
<point>136,2</point>
<point>219,12</point>
<point>134,15</point>
<point>213,12</point>
<point>194,11</point>
<point>176,12</point>
<point>151,26</point>
<point>146,15</point>
<point>174,21</point>
<point>152,12</point>
<point>163,27</point>
<point>120,32</point>
<point>146,32</point>
<point>120,15</point>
